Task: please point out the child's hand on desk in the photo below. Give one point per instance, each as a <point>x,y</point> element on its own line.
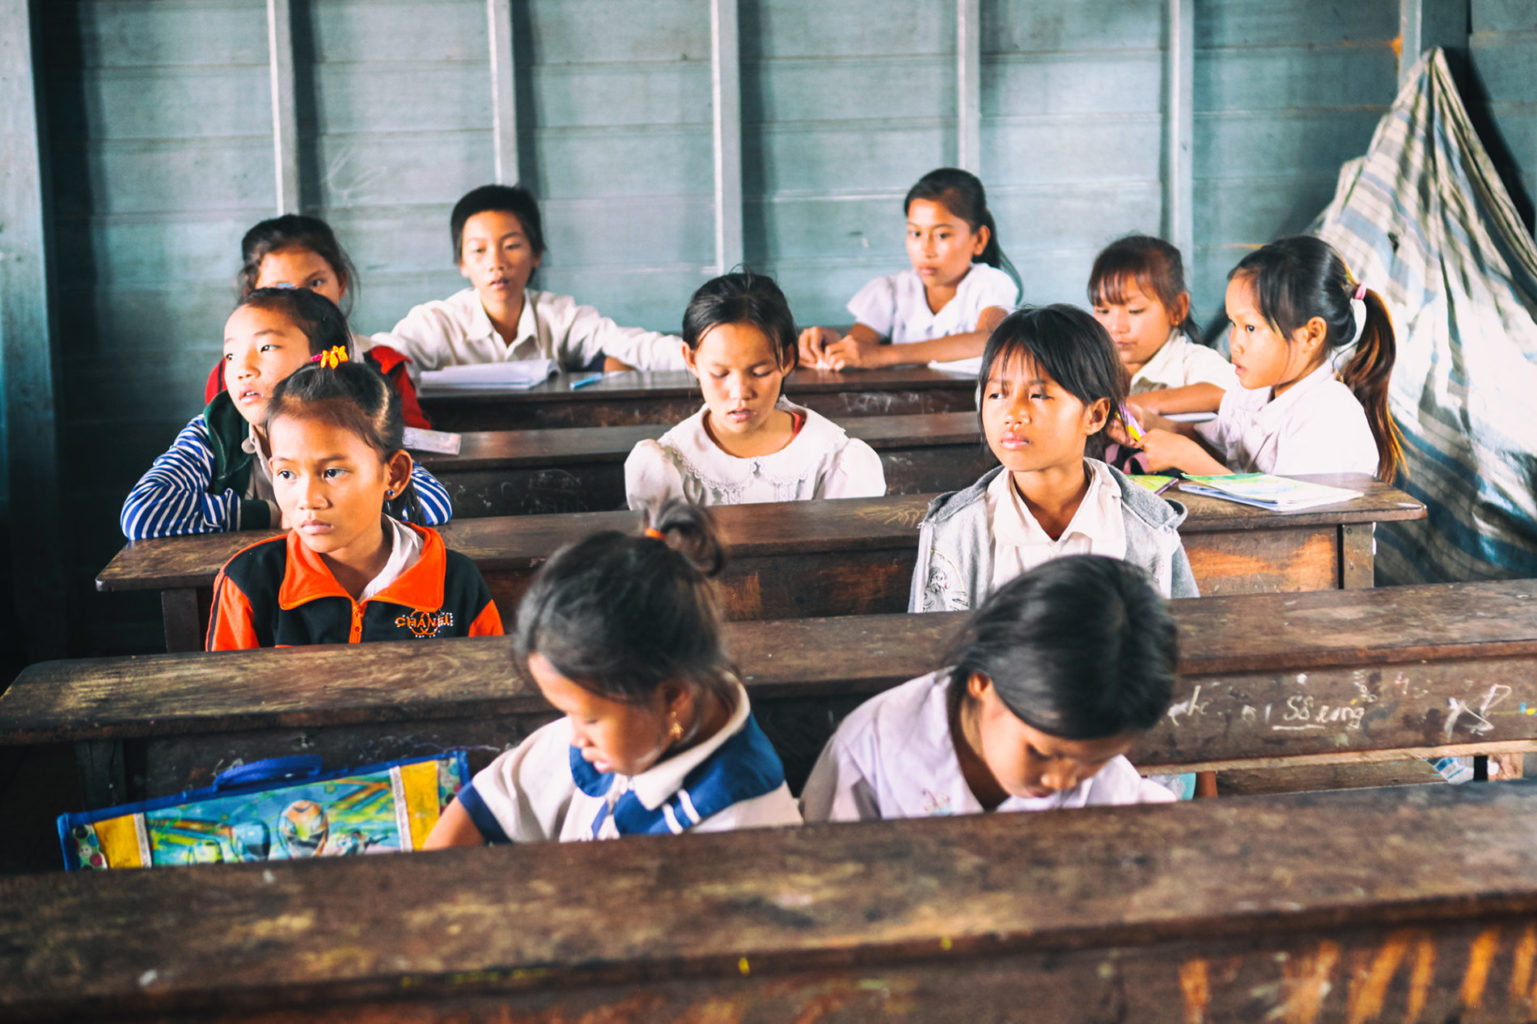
<point>850,353</point>
<point>813,346</point>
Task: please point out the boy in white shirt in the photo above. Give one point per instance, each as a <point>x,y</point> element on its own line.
<point>498,244</point>
<point>1056,677</point>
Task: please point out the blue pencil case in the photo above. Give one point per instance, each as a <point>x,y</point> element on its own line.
<point>276,809</point>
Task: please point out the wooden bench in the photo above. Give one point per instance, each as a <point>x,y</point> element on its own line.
<point>581,469</point>
<point>806,558</point>
<point>626,399</point>
<point>1268,680</point>
<point>1411,905</point>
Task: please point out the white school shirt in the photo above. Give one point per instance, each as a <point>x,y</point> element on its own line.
<point>896,307</point>
<point>456,331</point>
<point>1317,426</point>
<point>1182,362</point>
<point>532,795</point>
<point>893,757</point>
<point>821,461</point>
<point>405,551</point>
<point>1019,543</point>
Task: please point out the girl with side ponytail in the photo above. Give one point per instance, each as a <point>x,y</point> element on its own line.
<point>1293,306</point>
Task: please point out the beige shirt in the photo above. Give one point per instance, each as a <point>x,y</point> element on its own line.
<point>1019,542</point>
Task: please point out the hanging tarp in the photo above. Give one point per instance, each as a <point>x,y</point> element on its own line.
<point>1425,221</point>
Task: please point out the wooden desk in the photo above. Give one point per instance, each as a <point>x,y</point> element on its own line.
<point>1268,680</point>
<point>581,469</point>
<point>1372,905</point>
<point>625,399</point>
<point>805,558</point>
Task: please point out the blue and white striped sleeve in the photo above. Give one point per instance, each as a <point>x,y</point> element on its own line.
<point>172,499</point>
<point>437,508</point>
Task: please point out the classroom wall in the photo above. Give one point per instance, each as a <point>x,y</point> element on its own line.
<point>159,131</point>
<point>1502,54</point>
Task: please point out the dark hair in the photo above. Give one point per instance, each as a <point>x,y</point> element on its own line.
<point>1080,647</point>
<point>961,193</point>
<point>621,614</point>
<point>1069,346</point>
<point>314,314</point>
<point>743,297</point>
<point>1153,266</point>
<point>513,199</point>
<point>354,397</point>
<point>294,231</point>
<point>1296,279</point>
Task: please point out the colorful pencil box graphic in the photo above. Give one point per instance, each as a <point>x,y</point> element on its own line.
<point>276,809</point>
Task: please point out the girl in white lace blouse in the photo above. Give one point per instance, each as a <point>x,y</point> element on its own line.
<point>749,443</point>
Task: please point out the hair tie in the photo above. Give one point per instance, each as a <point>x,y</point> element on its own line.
<point>1360,293</point>
<point>654,533</point>
<point>332,357</point>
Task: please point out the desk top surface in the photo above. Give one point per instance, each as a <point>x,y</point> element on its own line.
<point>802,527</point>
<point>336,684</point>
<point>776,900</point>
<point>492,449</point>
<point>640,384</point>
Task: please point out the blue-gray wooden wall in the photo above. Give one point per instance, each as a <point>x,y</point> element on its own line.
<point>159,128</point>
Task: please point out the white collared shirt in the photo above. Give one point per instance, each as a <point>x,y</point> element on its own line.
<point>1181,362</point>
<point>530,791</point>
<point>1019,542</point>
<point>821,461</point>
<point>456,331</point>
<point>1316,426</point>
<point>405,551</point>
<point>893,757</point>
<point>897,307</point>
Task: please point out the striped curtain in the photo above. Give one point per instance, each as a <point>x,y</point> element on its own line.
<point>1424,220</point>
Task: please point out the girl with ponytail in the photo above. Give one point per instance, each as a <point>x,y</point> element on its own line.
<point>1293,307</point>
<point>622,634</point>
<point>941,311</point>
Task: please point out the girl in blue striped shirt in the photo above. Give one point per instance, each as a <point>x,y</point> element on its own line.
<point>215,477</point>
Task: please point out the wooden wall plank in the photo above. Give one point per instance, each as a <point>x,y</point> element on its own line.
<point>30,496</point>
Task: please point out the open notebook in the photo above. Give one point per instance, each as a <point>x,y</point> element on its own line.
<point>516,374</point>
<point>1262,490</point>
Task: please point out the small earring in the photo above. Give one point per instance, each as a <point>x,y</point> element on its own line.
<point>675,730</point>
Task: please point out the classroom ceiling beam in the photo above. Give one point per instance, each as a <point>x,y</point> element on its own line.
<point>29,350</point>
<point>285,104</point>
<point>504,106</point>
<point>968,85</point>
<point>726,103</point>
<point>1178,128</point>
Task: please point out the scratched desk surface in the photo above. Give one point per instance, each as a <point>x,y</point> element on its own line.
<point>1313,907</point>
<point>667,397</point>
<point>1272,679</point>
<point>850,524</point>
<point>581,469</point>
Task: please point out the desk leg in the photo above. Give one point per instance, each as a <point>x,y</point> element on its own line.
<point>179,613</point>
<point>103,775</point>
<point>1358,548</point>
